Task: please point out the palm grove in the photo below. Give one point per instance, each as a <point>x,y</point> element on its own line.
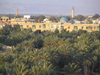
<point>49,53</point>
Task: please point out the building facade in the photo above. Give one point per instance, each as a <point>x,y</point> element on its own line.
<point>60,26</point>
<point>50,26</point>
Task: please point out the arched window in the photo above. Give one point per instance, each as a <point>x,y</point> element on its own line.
<point>94,27</point>
<point>51,26</point>
<point>98,28</point>
<point>44,26</point>
<point>75,28</point>
<point>33,27</point>
<point>86,27</point>
<point>82,27</point>
<point>68,27</point>
<point>21,26</point>
<point>89,28</point>
<point>62,27</point>
<point>27,26</point>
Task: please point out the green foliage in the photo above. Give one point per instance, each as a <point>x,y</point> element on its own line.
<point>72,69</point>
<point>49,53</point>
<point>20,68</point>
<point>80,17</point>
<point>42,68</point>
<point>2,38</point>
<point>5,31</point>
<point>41,18</point>
<point>56,31</point>
<point>96,16</point>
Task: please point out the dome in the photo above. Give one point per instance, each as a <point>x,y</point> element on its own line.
<point>46,19</point>
<point>64,19</point>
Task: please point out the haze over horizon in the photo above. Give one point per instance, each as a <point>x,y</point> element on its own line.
<point>50,7</point>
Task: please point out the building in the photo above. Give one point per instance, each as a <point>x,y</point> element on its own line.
<point>4,18</point>
<point>27,16</point>
<point>72,12</point>
<point>62,24</point>
<point>46,20</point>
<point>17,12</point>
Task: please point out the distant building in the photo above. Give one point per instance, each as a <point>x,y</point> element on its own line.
<point>46,20</point>
<point>64,23</point>
<point>4,18</point>
<point>89,16</point>
<point>17,12</point>
<point>18,19</point>
<point>72,12</point>
<point>78,22</point>
<point>27,16</point>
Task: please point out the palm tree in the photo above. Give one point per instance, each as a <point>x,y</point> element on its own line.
<point>42,67</point>
<point>20,68</point>
<point>72,69</point>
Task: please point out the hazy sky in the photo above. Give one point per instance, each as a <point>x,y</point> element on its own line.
<point>53,7</point>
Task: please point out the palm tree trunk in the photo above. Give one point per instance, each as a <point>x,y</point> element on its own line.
<point>93,66</point>
<point>85,68</point>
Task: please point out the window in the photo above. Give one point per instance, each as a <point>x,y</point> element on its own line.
<point>62,27</point>
<point>98,28</point>
<point>68,27</point>
<point>25,21</point>
<point>82,27</point>
<point>33,27</point>
<point>94,27</point>
<point>75,28</point>
<point>86,27</point>
<point>44,26</point>
<point>57,26</point>
<point>39,26</point>
<point>27,26</point>
<point>90,28</point>
<point>51,26</point>
<point>21,26</point>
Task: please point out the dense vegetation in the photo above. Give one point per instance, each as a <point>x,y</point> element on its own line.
<point>49,53</point>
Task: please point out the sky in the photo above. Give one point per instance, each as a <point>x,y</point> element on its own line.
<point>50,7</point>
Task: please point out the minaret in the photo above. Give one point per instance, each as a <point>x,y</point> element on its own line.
<point>17,12</point>
<point>72,12</point>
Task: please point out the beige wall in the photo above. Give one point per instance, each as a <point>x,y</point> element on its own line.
<point>4,18</point>
<point>80,26</point>
<point>39,26</point>
<point>67,26</point>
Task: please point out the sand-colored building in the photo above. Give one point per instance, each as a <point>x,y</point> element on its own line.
<point>4,18</point>
<point>60,26</point>
<point>51,26</point>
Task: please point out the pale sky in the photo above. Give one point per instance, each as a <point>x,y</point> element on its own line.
<point>53,7</point>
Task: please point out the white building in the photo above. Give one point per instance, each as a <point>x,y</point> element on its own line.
<point>27,16</point>
<point>46,20</point>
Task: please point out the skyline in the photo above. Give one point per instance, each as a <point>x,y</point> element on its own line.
<point>52,7</point>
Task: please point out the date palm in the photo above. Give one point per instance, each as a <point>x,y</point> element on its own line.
<point>42,68</point>
<point>20,68</point>
<point>72,69</point>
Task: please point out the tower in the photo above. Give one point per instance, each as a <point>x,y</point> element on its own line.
<point>17,12</point>
<point>72,12</point>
